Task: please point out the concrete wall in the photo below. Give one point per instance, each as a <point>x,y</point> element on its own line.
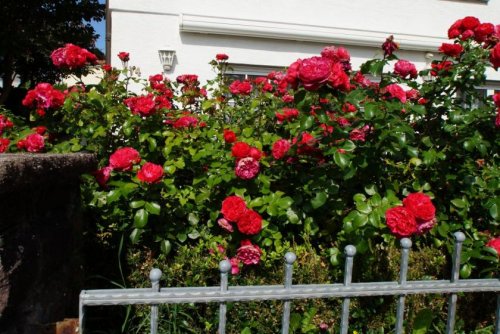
<point>276,33</point>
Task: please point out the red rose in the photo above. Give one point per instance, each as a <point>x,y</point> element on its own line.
<point>483,31</point>
<point>470,23</point>
<point>400,221</point>
<point>250,223</point>
<point>229,136</point>
<point>221,56</point>
<point>124,158</point>
<point>255,153</point>
<point>124,56</point>
<point>496,99</point>
<point>102,175</point>
<point>495,56</point>
<point>292,73</point>
<point>314,72</point>
<point>107,68</point>
<point>338,78</point>
<point>395,91</point>
<point>233,208</point>
<point>5,123</point>
<point>404,68</point>
<point>420,206</point>
<point>287,114</point>
<point>248,253</point>
<point>4,144</point>
<point>389,46</point>
<point>348,107</point>
<point>188,79</point>
<point>359,134</point>
<point>240,150</point>
<point>247,168</point>
<point>425,226</point>
<point>141,105</point>
<point>412,94</point>
<point>150,173</point>
<point>44,96</point>
<point>185,122</point>
<point>280,148</point>
<point>34,143</point>
<point>72,57</point>
<point>441,67</point>
<point>497,119</point>
<point>339,54</point>
<point>235,266</point>
<point>455,29</point>
<point>240,87</point>
<point>495,244</point>
<point>452,50</point>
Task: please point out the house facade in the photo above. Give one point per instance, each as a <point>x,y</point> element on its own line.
<point>264,35</point>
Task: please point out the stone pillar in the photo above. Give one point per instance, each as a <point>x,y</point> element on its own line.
<point>40,239</point>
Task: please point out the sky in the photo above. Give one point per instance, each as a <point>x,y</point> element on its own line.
<point>100,28</point>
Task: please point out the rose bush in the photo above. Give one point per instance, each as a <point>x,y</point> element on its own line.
<point>316,152</point>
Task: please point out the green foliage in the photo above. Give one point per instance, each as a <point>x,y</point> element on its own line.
<point>354,153</point>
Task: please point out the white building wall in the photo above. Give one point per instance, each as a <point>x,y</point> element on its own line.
<point>276,32</point>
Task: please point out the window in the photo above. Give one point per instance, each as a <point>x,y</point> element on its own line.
<point>250,72</point>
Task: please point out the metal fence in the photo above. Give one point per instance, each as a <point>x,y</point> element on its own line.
<point>288,292</point>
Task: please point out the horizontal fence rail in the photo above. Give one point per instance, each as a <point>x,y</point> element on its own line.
<point>288,292</point>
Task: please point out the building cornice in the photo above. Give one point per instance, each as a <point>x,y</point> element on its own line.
<point>307,33</point>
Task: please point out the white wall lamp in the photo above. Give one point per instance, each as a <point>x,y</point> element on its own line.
<point>166,58</point>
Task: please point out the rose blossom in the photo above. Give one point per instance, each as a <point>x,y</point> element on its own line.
<point>420,206</point>
<point>185,122</point>
<point>44,96</point>
<point>250,223</point>
<point>496,99</point>
<point>225,224</point>
<point>141,105</point>
<point>483,31</point>
<point>400,221</point>
<point>426,226</point>
<point>150,173</point>
<point>123,158</point>
<point>247,168</point>
<point>280,148</point>
<point>255,153</point>
<point>287,114</point>
<point>395,91</point>
<point>497,119</point>
<point>34,143</point>
<point>240,87</point>
<point>102,175</point>
<point>495,244</point>
<point>4,144</point>
<point>404,68</point>
<point>314,72</point>
<point>443,66</point>
<point>389,46</point>
<point>240,150</point>
<point>124,56</point>
<point>235,265</point>
<point>221,56</point>
<point>495,56</point>
<point>359,134</point>
<point>452,50</point>
<point>229,136</point>
<point>5,123</point>
<point>248,253</point>
<point>72,57</point>
<point>338,78</point>
<point>233,207</point>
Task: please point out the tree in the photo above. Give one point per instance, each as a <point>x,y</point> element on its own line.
<point>32,29</point>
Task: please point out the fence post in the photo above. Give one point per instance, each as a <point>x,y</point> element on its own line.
<point>455,272</point>
<point>80,315</point>
<point>154,276</point>
<point>224,267</point>
<point>289,260</point>
<point>349,251</point>
<point>403,270</point>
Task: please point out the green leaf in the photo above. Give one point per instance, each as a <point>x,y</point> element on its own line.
<point>422,321</point>
<point>465,271</point>
<point>246,330</point>
<point>340,159</point>
<point>306,122</point>
<point>136,235</point>
<point>152,144</point>
<point>193,219</point>
<point>459,203</point>
<point>494,211</point>
<point>371,189</point>
<point>194,234</point>
<point>153,208</point>
<point>292,216</point>
<point>136,204</point>
<point>370,110</point>
<point>141,218</point>
<point>166,246</point>
<point>247,132</point>
<point>319,200</point>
